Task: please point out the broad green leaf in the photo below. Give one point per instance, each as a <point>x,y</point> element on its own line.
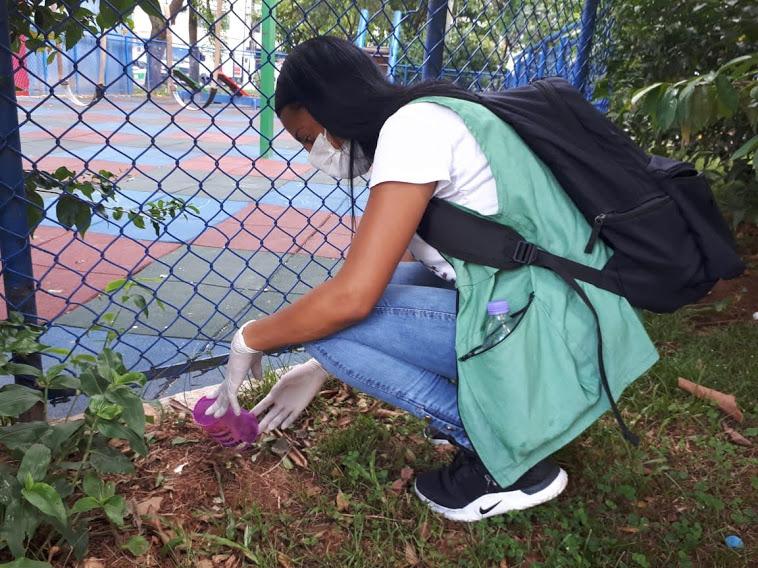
<point>746,148</point>
<point>22,369</point>
<point>110,460</point>
<point>85,504</point>
<point>115,430</point>
<point>141,303</point>
<point>137,545</point>
<point>16,399</point>
<point>114,285</point>
<point>63,173</point>
<point>66,210</point>
<point>93,486</point>
<point>47,500</point>
<point>73,35</point>
<point>65,381</point>
<point>10,488</point>
<point>35,462</point>
<point>58,434</point>
<point>133,413</point>
<point>644,92</point>
<point>100,407</point>
<point>83,218</point>
<point>114,508</point>
<point>109,364</point>
<point>740,62</point>
<point>728,98</point>
<point>92,382</point>
<point>131,378</point>
<point>22,435</point>
<point>684,111</point>
<point>62,486</point>
<point>21,520</point>
<point>35,210</point>
<point>666,112</point>
<point>26,563</point>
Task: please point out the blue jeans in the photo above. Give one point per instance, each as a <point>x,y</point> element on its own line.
<point>404,352</point>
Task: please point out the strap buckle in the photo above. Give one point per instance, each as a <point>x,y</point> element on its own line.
<point>525,253</point>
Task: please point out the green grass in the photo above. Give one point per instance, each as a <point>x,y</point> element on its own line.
<point>669,502</point>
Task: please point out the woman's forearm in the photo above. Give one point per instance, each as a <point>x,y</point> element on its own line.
<point>320,313</point>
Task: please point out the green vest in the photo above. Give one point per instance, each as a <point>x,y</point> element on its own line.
<point>538,389</point>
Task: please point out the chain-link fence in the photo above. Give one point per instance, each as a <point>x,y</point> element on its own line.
<point>149,195</point>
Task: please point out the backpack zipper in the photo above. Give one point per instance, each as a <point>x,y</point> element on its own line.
<point>614,216</point>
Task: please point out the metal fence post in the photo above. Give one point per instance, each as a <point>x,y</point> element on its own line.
<point>581,69</point>
<point>397,18</point>
<point>360,40</point>
<point>266,66</point>
<point>15,246</point>
<point>434,44</point>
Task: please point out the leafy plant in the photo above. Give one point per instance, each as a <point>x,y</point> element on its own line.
<point>80,198</point>
<point>51,488</point>
<point>43,22</point>
<point>712,120</point>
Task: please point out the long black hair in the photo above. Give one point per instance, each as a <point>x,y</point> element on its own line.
<point>344,90</point>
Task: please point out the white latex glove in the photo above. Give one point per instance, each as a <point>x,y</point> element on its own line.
<point>242,360</point>
<point>290,395</point>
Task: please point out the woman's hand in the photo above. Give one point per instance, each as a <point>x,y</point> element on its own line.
<point>290,395</point>
<point>242,360</point>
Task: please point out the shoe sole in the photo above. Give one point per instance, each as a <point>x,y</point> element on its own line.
<point>499,503</point>
<point>439,442</point>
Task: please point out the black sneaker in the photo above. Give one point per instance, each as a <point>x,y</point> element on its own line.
<point>465,491</point>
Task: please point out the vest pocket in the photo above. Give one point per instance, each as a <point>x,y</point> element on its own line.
<point>482,349</point>
<point>530,386</point>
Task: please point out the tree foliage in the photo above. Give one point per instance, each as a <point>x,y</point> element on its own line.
<point>683,83</point>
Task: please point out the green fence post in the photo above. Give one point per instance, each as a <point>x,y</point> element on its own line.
<point>267,62</point>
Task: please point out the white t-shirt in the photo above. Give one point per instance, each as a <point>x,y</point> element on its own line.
<point>425,142</point>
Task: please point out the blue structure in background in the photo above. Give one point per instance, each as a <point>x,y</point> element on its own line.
<point>565,52</point>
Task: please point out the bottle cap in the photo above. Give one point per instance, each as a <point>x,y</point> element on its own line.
<point>498,307</point>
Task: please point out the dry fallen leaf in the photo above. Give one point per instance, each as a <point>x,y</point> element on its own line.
<point>726,402</point>
<point>298,458</point>
<point>178,469</point>
<point>406,474</point>
<point>149,507</point>
<point>203,563</point>
<point>233,562</point>
<point>93,563</point>
<point>629,530</point>
<point>386,412</point>
<point>503,563</point>
<point>735,437</point>
<point>284,560</point>
<point>397,486</point>
<point>342,501</point>
<point>410,554</point>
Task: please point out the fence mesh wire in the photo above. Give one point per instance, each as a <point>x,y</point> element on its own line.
<point>159,123</point>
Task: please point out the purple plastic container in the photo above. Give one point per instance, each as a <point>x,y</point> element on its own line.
<point>230,430</point>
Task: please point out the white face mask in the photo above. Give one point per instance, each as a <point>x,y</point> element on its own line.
<point>336,161</point>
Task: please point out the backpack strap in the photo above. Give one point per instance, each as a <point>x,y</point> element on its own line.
<point>488,243</point>
<point>483,241</point>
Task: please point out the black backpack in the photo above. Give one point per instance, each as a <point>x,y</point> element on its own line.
<point>670,241</point>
